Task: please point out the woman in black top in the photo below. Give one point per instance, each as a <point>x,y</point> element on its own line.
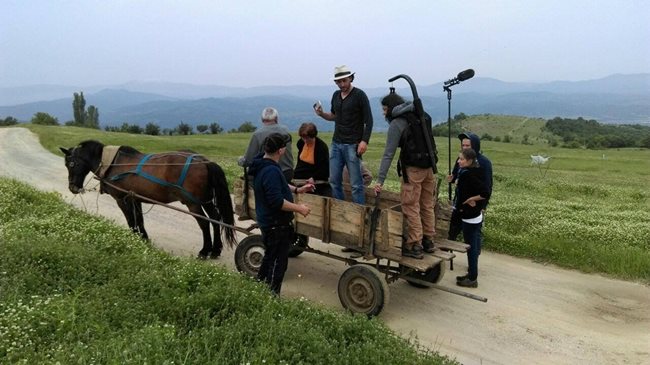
<point>313,159</point>
<point>470,203</point>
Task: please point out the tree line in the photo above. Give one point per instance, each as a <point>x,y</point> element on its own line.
<point>593,135</point>
<point>567,132</point>
<point>89,118</point>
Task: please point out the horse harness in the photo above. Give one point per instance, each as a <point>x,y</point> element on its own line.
<point>138,171</point>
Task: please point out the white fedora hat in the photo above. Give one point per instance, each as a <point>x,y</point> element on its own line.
<point>342,72</point>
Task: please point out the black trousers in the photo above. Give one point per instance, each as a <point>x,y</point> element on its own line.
<point>455,225</point>
<point>277,241</point>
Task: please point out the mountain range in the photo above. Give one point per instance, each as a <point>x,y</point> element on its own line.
<point>613,99</point>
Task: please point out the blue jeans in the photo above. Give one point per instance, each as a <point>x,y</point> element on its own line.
<point>472,236</point>
<point>346,155</point>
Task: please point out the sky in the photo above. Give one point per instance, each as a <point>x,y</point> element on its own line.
<point>247,43</point>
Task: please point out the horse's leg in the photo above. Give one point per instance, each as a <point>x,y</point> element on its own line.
<point>139,219</point>
<point>217,244</point>
<point>127,209</point>
<point>205,228</point>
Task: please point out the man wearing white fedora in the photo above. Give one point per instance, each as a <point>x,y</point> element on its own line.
<point>352,117</point>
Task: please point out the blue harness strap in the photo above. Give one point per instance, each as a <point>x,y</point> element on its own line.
<point>179,184</point>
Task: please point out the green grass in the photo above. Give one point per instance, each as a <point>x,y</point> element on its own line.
<point>77,289</point>
<point>584,209</point>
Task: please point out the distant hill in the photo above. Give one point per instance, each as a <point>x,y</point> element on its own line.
<point>613,99</point>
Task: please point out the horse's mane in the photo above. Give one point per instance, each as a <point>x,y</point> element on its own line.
<point>129,150</point>
<point>93,148</point>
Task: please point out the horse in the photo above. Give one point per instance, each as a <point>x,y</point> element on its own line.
<point>166,177</point>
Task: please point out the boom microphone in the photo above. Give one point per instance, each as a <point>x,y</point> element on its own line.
<point>462,76</point>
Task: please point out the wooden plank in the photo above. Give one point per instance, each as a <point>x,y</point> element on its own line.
<point>424,264</point>
<point>451,245</point>
<point>325,224</point>
<point>443,254</point>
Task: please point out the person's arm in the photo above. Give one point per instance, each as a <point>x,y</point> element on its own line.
<point>303,209</point>
<point>325,115</point>
<point>392,142</point>
<point>254,147</point>
<point>471,201</point>
<point>367,122</point>
<point>330,116</point>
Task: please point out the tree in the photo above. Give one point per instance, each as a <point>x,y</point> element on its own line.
<point>460,116</point>
<point>646,142</point>
<point>215,128</point>
<point>79,108</point>
<point>131,128</point>
<point>152,129</point>
<point>83,118</point>
<point>246,127</point>
<point>44,119</point>
<point>92,117</point>
<point>184,129</point>
<point>8,121</point>
<point>202,128</point>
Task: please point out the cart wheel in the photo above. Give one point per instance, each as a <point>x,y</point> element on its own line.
<point>363,289</point>
<point>300,242</point>
<point>249,254</point>
<point>433,275</point>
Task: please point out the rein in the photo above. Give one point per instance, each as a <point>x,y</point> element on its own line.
<point>152,201</point>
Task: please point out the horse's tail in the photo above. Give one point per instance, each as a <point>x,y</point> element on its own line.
<point>219,185</point>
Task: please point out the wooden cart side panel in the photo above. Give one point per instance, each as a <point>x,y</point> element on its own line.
<point>389,231</point>
<point>344,223</point>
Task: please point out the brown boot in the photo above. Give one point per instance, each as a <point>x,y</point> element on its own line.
<point>412,252</point>
<point>427,245</point>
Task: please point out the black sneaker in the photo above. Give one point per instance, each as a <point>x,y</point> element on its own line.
<point>467,283</point>
<point>463,277</point>
<point>416,254</point>
<point>427,245</point>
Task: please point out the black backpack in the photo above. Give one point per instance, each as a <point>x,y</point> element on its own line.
<point>413,145</point>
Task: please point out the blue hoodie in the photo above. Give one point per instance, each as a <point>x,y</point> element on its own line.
<point>485,165</point>
<point>271,190</point>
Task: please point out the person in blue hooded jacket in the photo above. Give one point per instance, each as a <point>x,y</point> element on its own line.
<point>274,208</point>
<point>471,196</point>
<point>469,140</point>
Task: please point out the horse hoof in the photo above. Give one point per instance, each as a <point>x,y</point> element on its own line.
<point>215,256</point>
<point>201,257</point>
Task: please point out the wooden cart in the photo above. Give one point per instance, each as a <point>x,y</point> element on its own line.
<point>375,230</point>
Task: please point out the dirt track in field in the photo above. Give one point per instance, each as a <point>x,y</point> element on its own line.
<point>536,314</point>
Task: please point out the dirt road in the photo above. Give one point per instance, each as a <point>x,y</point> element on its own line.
<point>536,314</point>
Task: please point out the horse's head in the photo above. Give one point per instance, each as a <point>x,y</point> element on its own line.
<point>79,161</point>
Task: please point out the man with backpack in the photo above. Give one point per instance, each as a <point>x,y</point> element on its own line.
<point>418,176</point>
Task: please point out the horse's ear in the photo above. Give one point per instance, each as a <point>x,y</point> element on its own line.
<point>65,151</point>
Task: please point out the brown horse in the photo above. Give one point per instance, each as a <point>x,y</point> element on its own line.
<point>168,177</point>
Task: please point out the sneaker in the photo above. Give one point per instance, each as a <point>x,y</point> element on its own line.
<point>414,253</point>
<point>461,278</point>
<point>427,245</point>
<point>468,283</point>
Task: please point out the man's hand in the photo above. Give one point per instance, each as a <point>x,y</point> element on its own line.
<point>378,188</point>
<point>307,188</point>
<point>361,149</point>
<point>304,210</point>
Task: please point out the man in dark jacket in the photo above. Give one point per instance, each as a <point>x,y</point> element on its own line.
<point>274,208</point>
<point>469,140</point>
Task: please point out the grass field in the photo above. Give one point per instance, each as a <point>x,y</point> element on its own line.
<point>78,289</point>
<point>583,209</point>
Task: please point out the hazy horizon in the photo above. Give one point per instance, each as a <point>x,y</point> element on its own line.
<point>256,43</point>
